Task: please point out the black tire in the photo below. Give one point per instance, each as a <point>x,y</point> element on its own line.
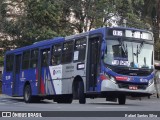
<point>27,94</point>
<point>81,94</point>
<point>122,100</point>
<point>75,92</point>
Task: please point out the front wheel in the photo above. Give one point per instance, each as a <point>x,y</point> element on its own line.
<point>122,99</point>
<point>27,94</point>
<point>81,94</point>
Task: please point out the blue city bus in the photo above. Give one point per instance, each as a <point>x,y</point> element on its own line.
<point>109,63</point>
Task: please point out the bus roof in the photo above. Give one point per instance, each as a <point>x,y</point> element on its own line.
<point>37,44</point>
<point>94,31</point>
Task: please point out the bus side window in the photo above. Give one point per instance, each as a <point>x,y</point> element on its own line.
<point>25,59</point>
<point>9,63</point>
<point>45,57</point>
<point>34,58</point>
<point>56,54</point>
<point>67,54</point>
<point>80,49</point>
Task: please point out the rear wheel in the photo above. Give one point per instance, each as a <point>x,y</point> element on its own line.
<point>27,94</point>
<point>81,94</point>
<point>122,99</point>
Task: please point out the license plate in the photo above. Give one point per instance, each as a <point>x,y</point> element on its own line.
<point>133,87</point>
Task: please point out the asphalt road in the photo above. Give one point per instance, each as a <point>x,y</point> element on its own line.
<point>99,104</point>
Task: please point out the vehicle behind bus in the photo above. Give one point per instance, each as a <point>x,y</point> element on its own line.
<point>107,63</point>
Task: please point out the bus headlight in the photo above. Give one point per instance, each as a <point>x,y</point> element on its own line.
<point>150,82</point>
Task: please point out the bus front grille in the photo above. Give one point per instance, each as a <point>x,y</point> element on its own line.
<point>126,86</point>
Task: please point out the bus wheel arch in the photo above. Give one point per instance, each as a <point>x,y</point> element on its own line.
<point>27,92</point>
<point>78,89</point>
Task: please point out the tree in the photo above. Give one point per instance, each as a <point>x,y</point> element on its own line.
<point>9,23</point>
<point>39,20</point>
<point>43,19</point>
<point>131,11</point>
<point>151,13</point>
<point>89,14</point>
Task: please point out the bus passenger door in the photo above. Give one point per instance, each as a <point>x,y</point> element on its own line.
<point>93,63</point>
<point>43,69</point>
<point>16,74</point>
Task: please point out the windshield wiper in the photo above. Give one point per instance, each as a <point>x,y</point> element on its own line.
<point>139,50</point>
<point>124,48</point>
<point>140,47</point>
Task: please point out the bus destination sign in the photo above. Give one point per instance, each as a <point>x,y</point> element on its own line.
<point>130,34</point>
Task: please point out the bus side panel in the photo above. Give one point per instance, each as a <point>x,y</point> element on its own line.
<point>61,79</point>
<point>31,76</point>
<point>7,83</point>
<point>67,72</point>
<point>47,83</point>
<point>70,71</point>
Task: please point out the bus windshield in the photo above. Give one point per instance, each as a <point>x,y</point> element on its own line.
<point>129,54</point>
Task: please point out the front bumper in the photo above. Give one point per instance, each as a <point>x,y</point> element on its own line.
<point>109,86</point>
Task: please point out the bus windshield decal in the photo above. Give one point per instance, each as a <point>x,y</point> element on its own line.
<point>121,61</point>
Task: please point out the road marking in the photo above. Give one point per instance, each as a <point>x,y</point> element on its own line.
<point>109,107</point>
